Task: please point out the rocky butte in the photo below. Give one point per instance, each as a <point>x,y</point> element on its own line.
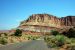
<point>46,22</point>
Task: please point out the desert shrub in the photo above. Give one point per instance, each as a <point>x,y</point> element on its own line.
<point>34,38</point>
<point>53,32</point>
<point>68,40</point>
<point>55,41</point>
<point>29,38</point>
<point>70,33</point>
<point>18,32</point>
<point>72,40</point>
<point>5,34</point>
<point>3,41</point>
<point>60,40</point>
<point>50,40</point>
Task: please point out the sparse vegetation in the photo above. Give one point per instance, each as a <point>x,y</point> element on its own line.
<point>55,41</point>
<point>61,40</point>
<point>70,33</point>
<point>54,32</point>
<point>18,32</point>
<point>16,37</point>
<point>3,41</point>
<point>33,37</point>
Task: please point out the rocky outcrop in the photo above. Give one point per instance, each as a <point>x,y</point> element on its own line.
<point>49,20</point>
<point>38,22</point>
<point>69,20</point>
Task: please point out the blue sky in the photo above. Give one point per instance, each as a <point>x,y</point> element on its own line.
<point>12,12</point>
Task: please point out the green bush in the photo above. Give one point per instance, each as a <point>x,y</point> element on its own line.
<point>29,38</point>
<point>18,32</point>
<point>60,40</point>
<point>53,32</point>
<point>3,41</point>
<point>72,40</point>
<point>55,41</point>
<point>34,38</point>
<point>70,33</point>
<point>50,40</point>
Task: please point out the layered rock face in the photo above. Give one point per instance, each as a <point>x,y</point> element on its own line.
<point>45,21</point>
<point>69,20</point>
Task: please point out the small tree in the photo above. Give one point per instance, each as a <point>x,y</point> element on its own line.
<point>53,32</point>
<point>70,33</point>
<point>60,40</point>
<point>18,32</point>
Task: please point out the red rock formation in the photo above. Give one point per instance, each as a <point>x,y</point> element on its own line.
<point>43,22</point>
<point>49,20</point>
<point>69,20</point>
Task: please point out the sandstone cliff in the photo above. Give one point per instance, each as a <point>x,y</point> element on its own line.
<point>69,20</point>
<point>45,22</point>
<point>49,20</point>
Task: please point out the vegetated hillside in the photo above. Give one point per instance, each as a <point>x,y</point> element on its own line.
<point>46,22</point>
